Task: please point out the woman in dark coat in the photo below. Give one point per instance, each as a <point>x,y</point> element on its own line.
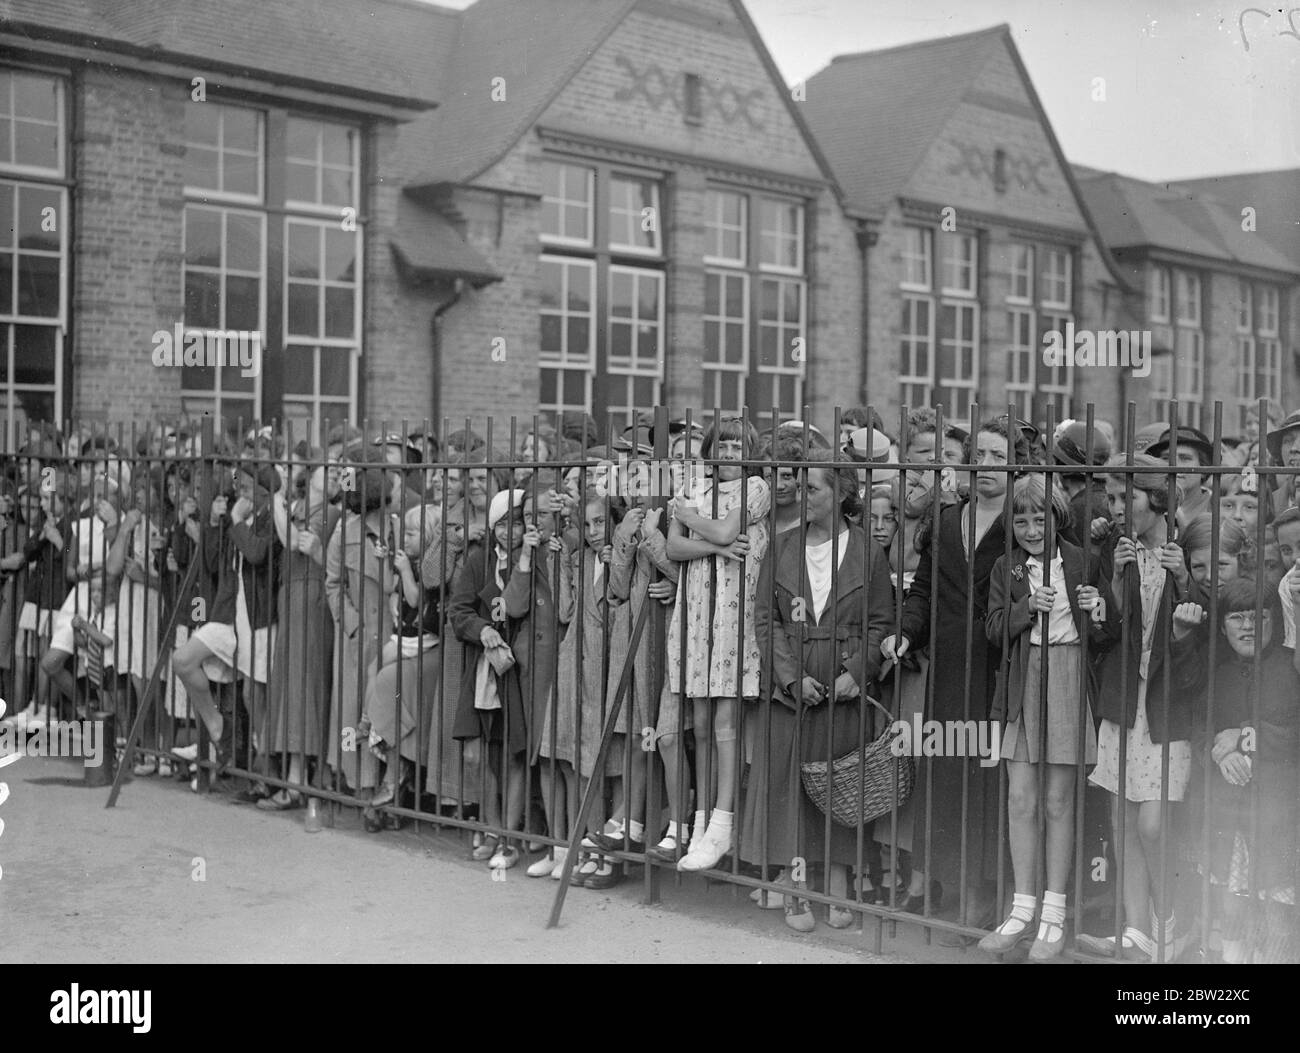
<point>830,608</point>
<point>1256,746</point>
<point>958,614</point>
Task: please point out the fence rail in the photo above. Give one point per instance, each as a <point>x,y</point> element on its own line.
<point>682,631</point>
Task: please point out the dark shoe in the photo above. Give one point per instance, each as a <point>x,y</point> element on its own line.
<point>916,904</point>
<point>600,881</point>
<point>372,821</point>
<point>253,794</point>
<point>393,822</point>
<point>606,843</point>
<point>976,919</point>
<point>280,802</point>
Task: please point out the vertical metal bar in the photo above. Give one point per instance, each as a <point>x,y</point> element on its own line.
<point>1130,618</point>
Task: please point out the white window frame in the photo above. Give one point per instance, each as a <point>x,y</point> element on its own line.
<point>925,257</point>
<point>619,216</point>
<point>1026,351</point>
<point>227,196</point>
<point>354,168</point>
<point>1052,277</point>
<point>1189,376</point>
<point>322,226</point>
<point>1268,316</point>
<point>1159,294</point>
<point>944,387</point>
<point>13,167</point>
<point>1245,309</point>
<point>567,360</point>
<point>1054,383</point>
<point>714,368</point>
<point>216,393</point>
<point>780,234</point>
<point>782,325</point>
<point>589,177</point>
<point>635,366</point>
<point>966,262</point>
<point>320,405</point>
<point>715,227</point>
<point>1246,377</point>
<point>1193,284</point>
<point>1018,274</point>
<point>908,378</point>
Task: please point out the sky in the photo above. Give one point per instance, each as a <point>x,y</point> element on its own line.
<point>1186,92</point>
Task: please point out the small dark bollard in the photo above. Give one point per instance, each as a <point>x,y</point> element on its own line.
<point>102,774</point>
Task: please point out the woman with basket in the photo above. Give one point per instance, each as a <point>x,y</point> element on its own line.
<point>821,631</point>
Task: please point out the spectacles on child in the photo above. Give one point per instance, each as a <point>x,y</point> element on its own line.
<point>1244,619</point>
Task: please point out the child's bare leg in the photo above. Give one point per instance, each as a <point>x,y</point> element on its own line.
<point>725,712</point>
<point>1137,900</point>
<point>53,670</point>
<point>676,792</point>
<point>1022,832</point>
<point>1060,824</point>
<point>555,799</point>
<point>704,760</point>
<point>514,804</point>
<point>187,664</point>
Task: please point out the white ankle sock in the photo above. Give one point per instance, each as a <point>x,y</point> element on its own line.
<point>1023,908</point>
<point>697,828</point>
<point>636,831</point>
<point>722,820</point>
<point>1053,913</point>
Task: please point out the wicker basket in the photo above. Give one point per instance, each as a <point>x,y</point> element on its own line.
<point>853,800</point>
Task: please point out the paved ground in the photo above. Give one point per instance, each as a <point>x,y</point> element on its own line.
<point>82,883</point>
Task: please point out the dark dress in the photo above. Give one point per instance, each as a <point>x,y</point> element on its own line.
<point>951,672</point>
<point>780,821</point>
<point>304,645</point>
<point>471,610</point>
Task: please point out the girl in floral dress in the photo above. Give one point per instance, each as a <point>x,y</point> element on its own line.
<point>719,530</point>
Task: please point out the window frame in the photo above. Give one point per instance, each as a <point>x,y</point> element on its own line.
<point>714,369</point>
<point>589,172</point>
<point>13,168</point>
<point>713,221</point>
<point>1049,277</point>
<point>217,392</point>
<point>618,248</point>
<point>757,380</point>
<point>304,208</point>
<point>227,196</point>
<point>926,257</point>
<point>1160,290</point>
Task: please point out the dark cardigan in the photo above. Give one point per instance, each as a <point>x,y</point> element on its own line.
<point>1117,698</point>
<point>1009,610</point>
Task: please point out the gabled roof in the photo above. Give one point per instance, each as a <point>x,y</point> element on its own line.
<point>875,113</point>
<point>1132,213</point>
<point>1275,197</point>
<point>392,48</point>
<point>536,48</point>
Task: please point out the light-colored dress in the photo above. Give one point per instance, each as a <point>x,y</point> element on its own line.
<point>1144,758</point>
<point>712,672</point>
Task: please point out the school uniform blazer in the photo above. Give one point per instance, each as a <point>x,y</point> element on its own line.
<point>1117,697</point>
<point>855,648</point>
<point>1010,612</point>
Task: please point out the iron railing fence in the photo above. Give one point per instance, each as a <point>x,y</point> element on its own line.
<point>329,617</point>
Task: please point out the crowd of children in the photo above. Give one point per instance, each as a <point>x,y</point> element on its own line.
<point>438,625</point>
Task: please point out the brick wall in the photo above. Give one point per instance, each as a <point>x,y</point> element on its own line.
<point>127,244</point>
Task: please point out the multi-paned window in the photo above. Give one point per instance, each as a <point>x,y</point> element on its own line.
<point>602,290</point>
<point>1189,347</point>
<point>34,221</point>
<point>940,337</point>
<point>305,313</point>
<point>1039,301</point>
<point>1158,295</point>
<point>1259,352</point>
<point>755,303</point>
